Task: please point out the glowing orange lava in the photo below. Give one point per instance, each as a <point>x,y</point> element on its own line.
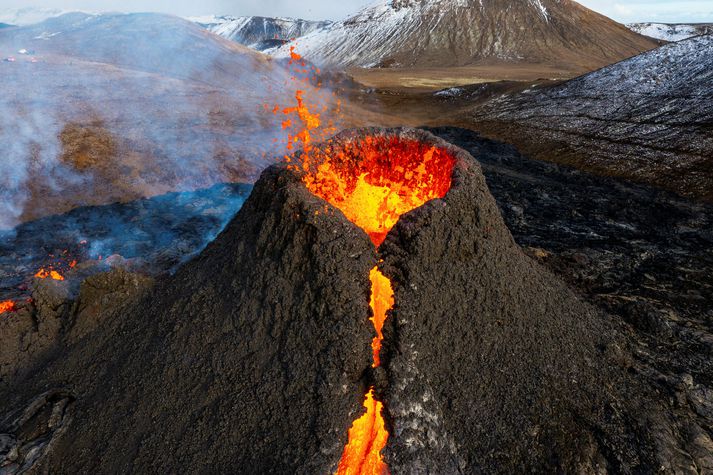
<point>368,434</point>
<point>382,299</point>
<point>374,180</point>
<point>367,437</point>
<point>49,274</point>
<point>7,306</point>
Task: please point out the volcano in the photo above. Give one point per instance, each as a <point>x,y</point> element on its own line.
<point>448,33</point>
<point>259,355</point>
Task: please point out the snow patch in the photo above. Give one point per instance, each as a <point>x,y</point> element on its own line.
<point>671,32</point>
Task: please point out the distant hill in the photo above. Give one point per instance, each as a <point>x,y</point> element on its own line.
<point>259,32</point>
<point>671,31</point>
<point>28,15</point>
<point>449,33</point>
<point>648,118</point>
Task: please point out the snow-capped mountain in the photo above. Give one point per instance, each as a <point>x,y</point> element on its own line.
<point>671,31</point>
<point>259,32</point>
<point>437,33</point>
<point>648,118</point>
<point>28,15</point>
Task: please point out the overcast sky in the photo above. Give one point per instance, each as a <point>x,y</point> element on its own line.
<point>622,10</point>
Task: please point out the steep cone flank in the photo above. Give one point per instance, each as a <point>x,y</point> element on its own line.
<point>257,355</point>
<point>249,360</point>
<point>445,33</point>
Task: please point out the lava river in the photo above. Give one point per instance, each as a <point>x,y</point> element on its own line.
<point>373,181</point>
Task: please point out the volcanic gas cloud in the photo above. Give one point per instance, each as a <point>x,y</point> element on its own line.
<point>373,180</point>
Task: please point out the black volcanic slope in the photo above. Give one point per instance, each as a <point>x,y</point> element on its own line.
<point>254,356</point>
<point>649,119</point>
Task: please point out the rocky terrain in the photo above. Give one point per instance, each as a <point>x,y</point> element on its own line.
<point>671,31</point>
<point>652,413</point>
<point>648,119</point>
<point>153,235</point>
<point>448,33</point>
<point>260,33</point>
<point>649,262</point>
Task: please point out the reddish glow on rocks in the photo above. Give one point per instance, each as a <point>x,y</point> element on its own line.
<point>374,180</point>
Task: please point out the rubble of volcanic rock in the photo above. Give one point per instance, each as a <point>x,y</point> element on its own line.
<point>256,355</point>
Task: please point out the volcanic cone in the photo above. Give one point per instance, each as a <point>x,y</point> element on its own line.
<point>256,357</point>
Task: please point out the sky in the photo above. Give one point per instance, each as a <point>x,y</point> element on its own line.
<point>625,11</point>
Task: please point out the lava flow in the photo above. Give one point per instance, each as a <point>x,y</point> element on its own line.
<point>49,274</point>
<point>373,180</point>
<point>7,306</point>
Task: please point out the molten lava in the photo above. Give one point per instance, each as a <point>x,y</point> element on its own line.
<point>382,299</point>
<point>49,274</point>
<point>7,306</point>
<point>375,180</point>
<point>367,437</point>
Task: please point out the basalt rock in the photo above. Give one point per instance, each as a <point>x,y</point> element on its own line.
<point>255,356</point>
<point>58,314</point>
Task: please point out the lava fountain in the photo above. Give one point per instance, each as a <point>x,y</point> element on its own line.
<point>374,180</point>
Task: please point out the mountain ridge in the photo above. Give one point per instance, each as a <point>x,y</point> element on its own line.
<point>671,31</point>
<point>258,32</point>
<point>430,33</point>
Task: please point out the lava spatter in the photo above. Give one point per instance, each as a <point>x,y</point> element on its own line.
<point>49,274</point>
